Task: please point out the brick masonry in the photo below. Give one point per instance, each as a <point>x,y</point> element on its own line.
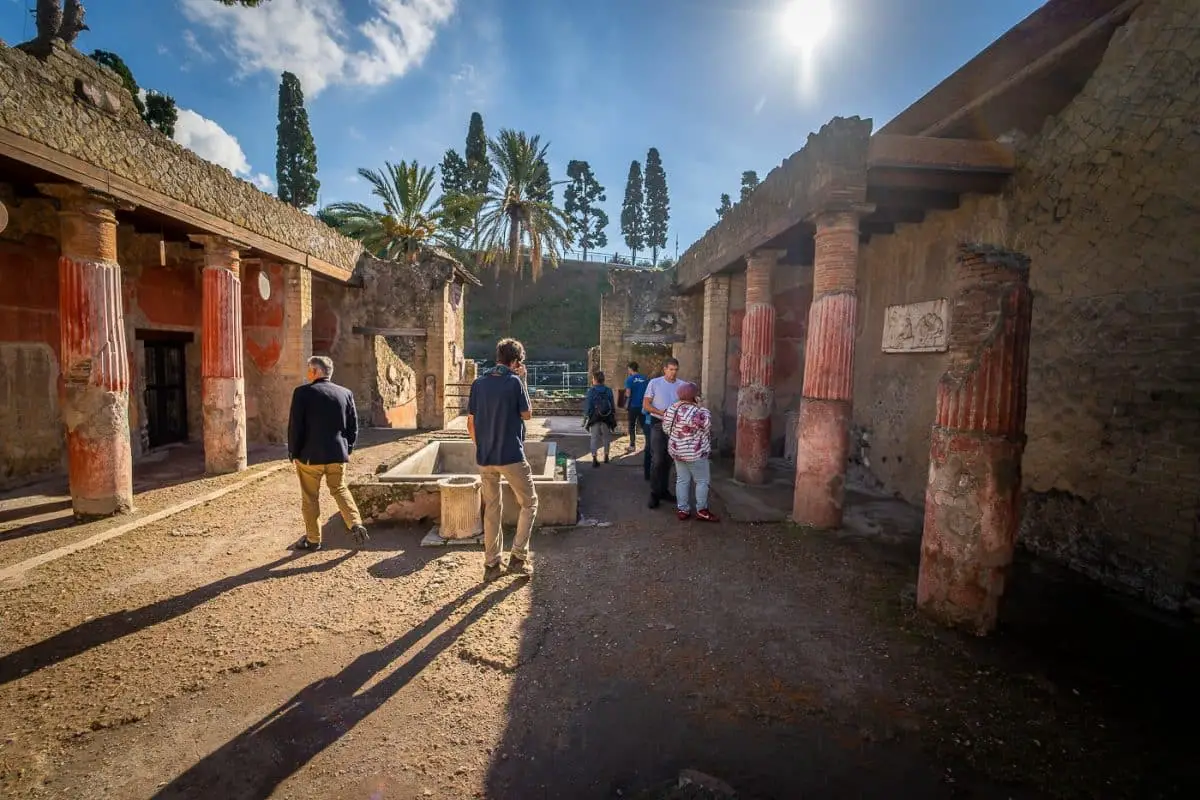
<point>1104,204</point>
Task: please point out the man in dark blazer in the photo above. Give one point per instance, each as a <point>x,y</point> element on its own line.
<point>322,430</point>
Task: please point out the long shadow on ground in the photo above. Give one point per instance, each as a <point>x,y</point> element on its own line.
<point>789,665</point>
<point>259,759</point>
<point>110,627</point>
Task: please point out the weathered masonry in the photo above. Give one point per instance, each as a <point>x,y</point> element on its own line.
<point>149,297</point>
<point>991,306</point>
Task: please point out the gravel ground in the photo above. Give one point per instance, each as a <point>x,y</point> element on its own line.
<point>199,657</point>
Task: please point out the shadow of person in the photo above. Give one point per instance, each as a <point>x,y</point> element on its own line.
<point>256,761</point>
<point>118,624</point>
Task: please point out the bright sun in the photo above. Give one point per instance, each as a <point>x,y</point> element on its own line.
<point>806,22</point>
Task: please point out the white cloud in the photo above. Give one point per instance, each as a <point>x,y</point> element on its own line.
<point>313,38</point>
<point>213,143</point>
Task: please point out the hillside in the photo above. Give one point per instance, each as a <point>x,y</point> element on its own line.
<point>557,318</point>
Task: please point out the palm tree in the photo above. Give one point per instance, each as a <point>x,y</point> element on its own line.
<point>409,220</point>
<point>517,211</point>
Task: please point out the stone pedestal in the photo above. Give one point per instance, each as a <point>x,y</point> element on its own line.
<point>972,505</point>
<point>93,357</point>
<point>823,430</point>
<point>756,395</point>
<point>223,380</point>
<point>462,503</point>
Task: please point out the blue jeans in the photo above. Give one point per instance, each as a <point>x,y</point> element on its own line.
<point>685,473</point>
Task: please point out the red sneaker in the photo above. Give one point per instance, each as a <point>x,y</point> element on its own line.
<point>683,515</point>
<point>707,515</point>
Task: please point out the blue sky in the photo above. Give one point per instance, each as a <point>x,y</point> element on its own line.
<point>715,85</point>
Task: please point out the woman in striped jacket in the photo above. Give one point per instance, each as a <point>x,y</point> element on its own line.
<point>688,426</point>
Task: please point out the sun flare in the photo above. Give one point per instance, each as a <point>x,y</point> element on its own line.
<point>807,22</point>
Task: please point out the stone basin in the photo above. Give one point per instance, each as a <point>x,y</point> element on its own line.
<point>408,492</point>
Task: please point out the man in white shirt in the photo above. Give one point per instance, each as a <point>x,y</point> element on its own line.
<point>661,394</point>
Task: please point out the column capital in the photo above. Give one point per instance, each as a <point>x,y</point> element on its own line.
<point>79,199</point>
<point>838,215</point>
<point>765,256</point>
<point>214,241</point>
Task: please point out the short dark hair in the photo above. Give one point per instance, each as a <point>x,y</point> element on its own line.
<point>509,352</point>
<point>671,362</point>
<point>598,376</point>
<point>633,365</point>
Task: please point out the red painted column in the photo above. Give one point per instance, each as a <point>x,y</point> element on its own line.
<point>94,361</point>
<point>972,504</point>
<point>756,394</point>
<point>223,381</point>
<point>823,429</point>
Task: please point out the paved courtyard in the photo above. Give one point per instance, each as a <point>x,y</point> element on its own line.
<point>196,656</point>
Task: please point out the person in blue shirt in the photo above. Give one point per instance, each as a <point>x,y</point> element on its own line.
<point>600,416</point>
<point>497,411</point>
<point>635,391</point>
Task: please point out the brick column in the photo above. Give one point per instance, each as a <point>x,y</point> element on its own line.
<point>714,349</point>
<point>823,430</point>
<point>972,504</point>
<point>756,394</point>
<point>223,381</point>
<point>94,361</point>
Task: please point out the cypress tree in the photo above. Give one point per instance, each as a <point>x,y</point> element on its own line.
<point>582,197</point>
<point>633,212</point>
<point>658,204</point>
<point>295,150</point>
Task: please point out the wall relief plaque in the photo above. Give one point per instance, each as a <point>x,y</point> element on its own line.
<point>917,327</point>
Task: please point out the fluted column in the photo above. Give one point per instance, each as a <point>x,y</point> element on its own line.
<point>972,504</point>
<point>93,358</point>
<point>756,394</point>
<point>823,429</point>
<point>223,381</point>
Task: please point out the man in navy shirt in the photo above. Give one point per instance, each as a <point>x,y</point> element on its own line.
<point>496,414</point>
<point>635,390</point>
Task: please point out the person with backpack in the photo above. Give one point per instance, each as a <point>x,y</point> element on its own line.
<point>600,416</point>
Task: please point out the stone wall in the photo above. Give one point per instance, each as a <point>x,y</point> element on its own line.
<point>642,302</point>
<point>428,296</point>
<point>73,106</point>
<point>1104,203</point>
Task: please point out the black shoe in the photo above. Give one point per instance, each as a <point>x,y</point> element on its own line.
<point>606,458</point>
<point>305,544</point>
<point>595,464</point>
<point>654,501</point>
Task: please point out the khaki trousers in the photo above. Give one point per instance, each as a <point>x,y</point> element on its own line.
<point>310,490</point>
<point>520,478</point>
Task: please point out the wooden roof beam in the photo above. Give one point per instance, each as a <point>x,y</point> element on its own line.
<point>893,151</point>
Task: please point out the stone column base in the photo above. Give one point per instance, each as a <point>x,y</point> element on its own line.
<point>753,444</point>
<point>822,446</point>
<point>972,511</point>
<point>224,425</point>
<point>100,463</point>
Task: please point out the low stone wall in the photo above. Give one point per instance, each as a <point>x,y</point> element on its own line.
<point>557,406</point>
<point>406,503</point>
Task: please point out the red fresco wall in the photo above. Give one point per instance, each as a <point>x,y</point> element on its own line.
<point>29,292</point>
<point>262,320</point>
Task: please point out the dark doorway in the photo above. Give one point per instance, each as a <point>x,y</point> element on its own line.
<point>166,392</point>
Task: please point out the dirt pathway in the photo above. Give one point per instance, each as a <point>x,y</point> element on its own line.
<point>198,657</point>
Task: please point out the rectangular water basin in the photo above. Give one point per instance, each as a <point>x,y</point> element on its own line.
<point>448,458</point>
<point>408,492</point>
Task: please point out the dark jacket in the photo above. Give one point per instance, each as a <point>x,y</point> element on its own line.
<point>599,398</point>
<point>323,424</point>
